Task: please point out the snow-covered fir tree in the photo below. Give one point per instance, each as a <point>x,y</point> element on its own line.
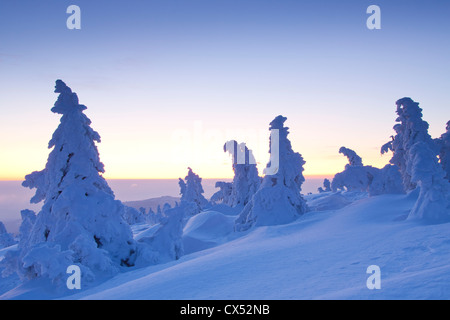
<point>410,129</point>
<point>28,220</point>
<point>166,243</point>
<point>433,204</point>
<point>353,159</point>
<point>416,154</point>
<point>133,216</point>
<point>444,151</point>
<point>224,193</point>
<point>278,199</point>
<point>355,177</point>
<point>6,239</point>
<point>358,177</point>
<point>80,222</point>
<point>166,207</point>
<point>191,192</point>
<point>326,186</point>
<point>246,180</point>
<point>387,180</point>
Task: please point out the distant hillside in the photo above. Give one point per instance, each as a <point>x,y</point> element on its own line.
<point>153,202</point>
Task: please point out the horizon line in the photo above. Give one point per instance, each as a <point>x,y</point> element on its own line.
<point>310,176</point>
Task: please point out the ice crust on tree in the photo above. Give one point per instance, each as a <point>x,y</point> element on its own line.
<point>80,221</point>
<point>278,199</point>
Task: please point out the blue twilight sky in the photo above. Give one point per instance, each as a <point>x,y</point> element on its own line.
<point>167,82</point>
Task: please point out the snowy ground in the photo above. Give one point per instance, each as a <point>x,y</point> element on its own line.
<point>323,255</point>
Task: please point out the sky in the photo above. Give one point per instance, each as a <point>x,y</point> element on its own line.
<point>168,82</point>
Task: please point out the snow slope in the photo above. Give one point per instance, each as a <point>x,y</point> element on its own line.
<point>322,255</point>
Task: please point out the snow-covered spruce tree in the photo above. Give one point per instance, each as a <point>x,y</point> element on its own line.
<point>9,264</point>
<point>166,243</point>
<point>278,199</point>
<point>357,177</point>
<point>6,239</point>
<point>410,129</point>
<point>444,151</point>
<point>326,186</point>
<point>80,222</point>
<point>433,204</point>
<point>153,217</point>
<point>133,216</point>
<point>191,191</point>
<point>353,159</point>
<point>28,220</point>
<point>246,180</point>
<point>387,180</point>
<point>224,193</point>
<point>417,153</point>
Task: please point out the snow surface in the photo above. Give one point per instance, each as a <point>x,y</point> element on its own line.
<point>322,255</point>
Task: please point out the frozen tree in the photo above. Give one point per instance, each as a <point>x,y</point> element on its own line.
<point>80,222</point>
<point>357,177</point>
<point>416,155</point>
<point>410,129</point>
<point>385,181</point>
<point>133,216</point>
<point>353,159</point>
<point>191,191</point>
<point>166,243</point>
<point>154,217</point>
<point>326,186</point>
<point>353,178</point>
<point>278,199</point>
<point>28,220</point>
<point>166,207</point>
<point>246,180</point>
<point>6,239</point>
<point>224,194</point>
<point>433,204</point>
<point>444,151</point>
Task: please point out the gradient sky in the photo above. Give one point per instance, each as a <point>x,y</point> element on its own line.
<point>167,82</point>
